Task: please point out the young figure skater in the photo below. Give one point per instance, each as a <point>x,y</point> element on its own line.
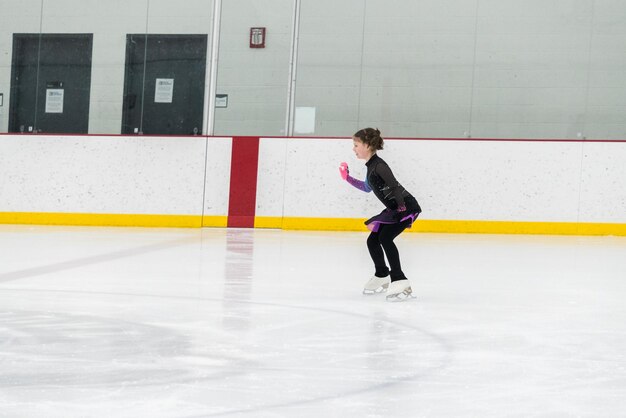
<point>401,211</point>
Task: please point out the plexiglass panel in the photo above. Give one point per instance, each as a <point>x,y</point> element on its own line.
<point>71,60</point>
<point>15,18</point>
<point>252,82</point>
<point>414,68</point>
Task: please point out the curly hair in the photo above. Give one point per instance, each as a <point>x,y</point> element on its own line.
<point>370,137</point>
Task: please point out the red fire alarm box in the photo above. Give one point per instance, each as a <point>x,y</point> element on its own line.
<point>257,37</point>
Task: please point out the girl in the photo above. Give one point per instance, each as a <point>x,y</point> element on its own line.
<point>401,211</point>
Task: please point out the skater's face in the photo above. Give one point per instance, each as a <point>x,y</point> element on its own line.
<point>362,151</point>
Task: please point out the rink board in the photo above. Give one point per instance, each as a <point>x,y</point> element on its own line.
<point>463,186</point>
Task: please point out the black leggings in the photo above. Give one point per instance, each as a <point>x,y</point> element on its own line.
<point>383,240</point>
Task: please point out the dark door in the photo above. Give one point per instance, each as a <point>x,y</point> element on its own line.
<point>164,96</point>
<point>50,83</point>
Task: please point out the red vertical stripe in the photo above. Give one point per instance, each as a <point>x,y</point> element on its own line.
<point>243,178</point>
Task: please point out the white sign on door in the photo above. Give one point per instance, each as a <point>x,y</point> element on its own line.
<point>54,100</point>
<point>164,90</point>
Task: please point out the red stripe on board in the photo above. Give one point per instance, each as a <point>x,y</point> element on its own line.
<point>243,177</point>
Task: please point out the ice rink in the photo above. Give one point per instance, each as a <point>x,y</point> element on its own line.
<point>138,322</point>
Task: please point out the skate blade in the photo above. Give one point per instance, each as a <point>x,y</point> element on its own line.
<point>381,289</point>
<point>399,297</point>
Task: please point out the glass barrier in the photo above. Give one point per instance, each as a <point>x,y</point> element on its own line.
<point>253,68</point>
<point>313,68</point>
<point>23,20</point>
<point>97,67</point>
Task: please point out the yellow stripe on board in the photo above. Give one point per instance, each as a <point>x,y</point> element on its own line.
<point>324,224</point>
<point>100,219</point>
<point>602,229</point>
<point>275,222</point>
<point>507,227</point>
<point>496,227</point>
<point>215,221</point>
<point>312,224</point>
<point>460,227</point>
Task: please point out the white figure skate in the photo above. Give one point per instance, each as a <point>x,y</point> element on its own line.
<point>376,285</point>
<point>399,290</point>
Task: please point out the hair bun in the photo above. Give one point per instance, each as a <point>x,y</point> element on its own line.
<point>371,137</point>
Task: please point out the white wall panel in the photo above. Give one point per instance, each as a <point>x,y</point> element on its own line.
<point>217,182</point>
<point>452,180</point>
<point>271,177</point>
<point>603,183</point>
<point>313,187</point>
<point>495,181</point>
<point>119,175</point>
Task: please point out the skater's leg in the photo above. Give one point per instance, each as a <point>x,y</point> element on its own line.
<point>387,233</point>
<point>399,287</point>
<point>377,254</point>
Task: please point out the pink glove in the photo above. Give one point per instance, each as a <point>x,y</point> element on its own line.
<point>343,170</point>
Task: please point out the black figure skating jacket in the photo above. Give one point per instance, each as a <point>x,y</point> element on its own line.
<point>391,193</point>
<point>385,186</point>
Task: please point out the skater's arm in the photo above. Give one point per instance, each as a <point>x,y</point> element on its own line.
<point>345,174</point>
<point>361,185</point>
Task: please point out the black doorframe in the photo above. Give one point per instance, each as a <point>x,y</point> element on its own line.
<point>50,64</point>
<point>172,58</point>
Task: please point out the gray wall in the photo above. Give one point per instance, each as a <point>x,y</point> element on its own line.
<point>413,68</point>
<point>255,80</point>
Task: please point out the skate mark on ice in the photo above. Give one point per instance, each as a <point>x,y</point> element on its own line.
<point>445,353</point>
<point>94,259</point>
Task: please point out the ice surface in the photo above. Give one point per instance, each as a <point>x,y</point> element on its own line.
<point>138,322</point>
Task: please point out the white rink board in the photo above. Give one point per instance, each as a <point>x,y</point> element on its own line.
<point>529,181</point>
<point>217,176</point>
<point>102,174</point>
<point>271,176</point>
<point>603,183</point>
<point>490,181</point>
<point>532,181</point>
